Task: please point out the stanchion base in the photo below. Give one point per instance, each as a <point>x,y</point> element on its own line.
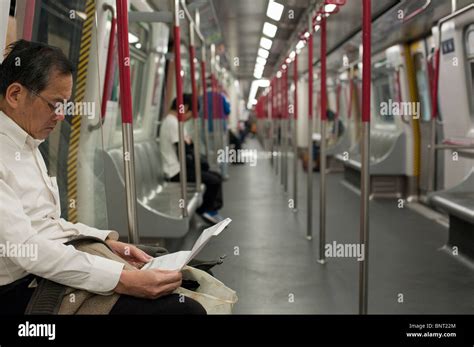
<point>309,238</point>
<point>322,261</point>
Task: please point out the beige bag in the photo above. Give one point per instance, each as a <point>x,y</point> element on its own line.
<point>212,294</point>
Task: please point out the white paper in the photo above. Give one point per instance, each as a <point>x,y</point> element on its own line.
<point>176,261</point>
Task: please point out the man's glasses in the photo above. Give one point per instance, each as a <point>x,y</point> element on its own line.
<point>50,104</point>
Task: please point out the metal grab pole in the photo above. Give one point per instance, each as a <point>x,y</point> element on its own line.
<point>181,113</point>
<point>295,136</point>
<point>197,133</point>
<point>272,122</point>
<point>215,134</point>
<point>109,68</point>
<point>365,178</point>
<point>434,115</point>
<point>285,130</point>
<point>309,232</point>
<point>127,120</point>
<point>322,153</point>
<point>205,101</point>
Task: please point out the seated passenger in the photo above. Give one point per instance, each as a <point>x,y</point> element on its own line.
<point>105,276</point>
<point>336,131</point>
<point>169,146</point>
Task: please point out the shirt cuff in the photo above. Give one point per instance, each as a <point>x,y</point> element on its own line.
<point>100,234</point>
<point>105,275</point>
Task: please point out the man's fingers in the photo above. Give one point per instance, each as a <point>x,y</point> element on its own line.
<point>139,255</point>
<point>169,288</point>
<point>168,276</point>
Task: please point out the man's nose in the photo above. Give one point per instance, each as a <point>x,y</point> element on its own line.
<point>59,116</point>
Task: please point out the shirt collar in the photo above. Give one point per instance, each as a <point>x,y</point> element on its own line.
<point>19,136</point>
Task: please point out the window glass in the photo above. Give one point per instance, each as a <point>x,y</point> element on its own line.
<point>423,87</point>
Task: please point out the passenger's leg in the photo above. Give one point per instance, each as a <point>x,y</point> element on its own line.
<point>169,304</point>
<point>16,300</point>
<point>212,200</point>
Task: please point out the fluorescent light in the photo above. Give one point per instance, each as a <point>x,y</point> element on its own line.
<point>269,29</point>
<point>258,83</point>
<point>288,60</point>
<point>132,38</point>
<point>306,34</point>
<point>279,74</point>
<point>275,10</point>
<point>261,61</point>
<point>316,27</point>
<point>284,67</point>
<point>266,43</point>
<point>300,45</point>
<point>292,55</point>
<point>329,8</point>
<point>258,74</point>
<point>263,53</point>
<point>318,18</point>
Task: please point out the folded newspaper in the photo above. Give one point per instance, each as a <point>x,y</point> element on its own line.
<point>176,261</point>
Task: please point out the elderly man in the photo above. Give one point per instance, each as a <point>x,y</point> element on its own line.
<point>33,78</point>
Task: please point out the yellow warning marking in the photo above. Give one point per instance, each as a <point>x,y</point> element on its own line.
<point>74,137</point>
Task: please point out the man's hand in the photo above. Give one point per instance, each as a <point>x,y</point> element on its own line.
<point>149,284</point>
<point>130,253</point>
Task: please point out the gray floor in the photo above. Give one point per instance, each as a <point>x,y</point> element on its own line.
<point>274,270</point>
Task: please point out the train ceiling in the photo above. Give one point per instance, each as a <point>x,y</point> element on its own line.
<point>236,28</point>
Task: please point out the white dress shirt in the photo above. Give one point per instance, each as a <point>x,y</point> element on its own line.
<point>30,216</point>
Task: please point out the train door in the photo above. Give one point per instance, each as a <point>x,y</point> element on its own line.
<point>423,75</point>
<point>456,104</point>
<point>73,150</point>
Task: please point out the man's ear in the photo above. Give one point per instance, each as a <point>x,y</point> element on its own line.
<point>13,94</point>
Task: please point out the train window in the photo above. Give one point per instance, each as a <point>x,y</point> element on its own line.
<point>423,86</point>
<point>59,27</point>
<point>470,55</point>
<point>60,24</point>
<point>470,41</point>
<point>383,91</point>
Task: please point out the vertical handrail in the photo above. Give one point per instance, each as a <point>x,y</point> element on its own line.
<point>197,134</point>
<point>278,125</point>
<point>29,19</point>
<point>109,67</point>
<point>127,119</point>
<point>309,231</point>
<point>285,129</point>
<point>322,152</point>
<point>181,114</point>
<point>205,101</point>
<point>295,135</point>
<point>365,175</point>
<point>434,116</point>
<point>215,134</point>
